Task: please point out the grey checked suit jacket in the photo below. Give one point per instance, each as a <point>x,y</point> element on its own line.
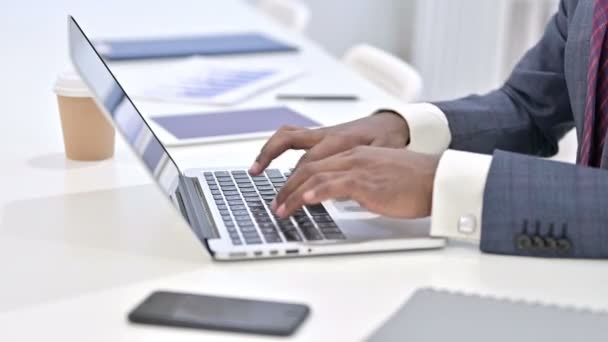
<point>532,206</point>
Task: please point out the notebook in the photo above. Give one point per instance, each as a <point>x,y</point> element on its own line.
<point>432,315</point>
<point>206,45</point>
<point>227,125</point>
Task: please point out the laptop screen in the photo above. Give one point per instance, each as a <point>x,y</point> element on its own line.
<point>121,110</point>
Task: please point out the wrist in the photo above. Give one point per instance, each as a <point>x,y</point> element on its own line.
<point>397,123</point>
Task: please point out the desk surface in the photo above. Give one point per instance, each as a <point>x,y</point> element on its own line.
<point>82,243</point>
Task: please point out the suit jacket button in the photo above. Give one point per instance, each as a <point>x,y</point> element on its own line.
<point>523,242</point>
<point>538,242</point>
<point>551,243</point>
<point>564,245</point>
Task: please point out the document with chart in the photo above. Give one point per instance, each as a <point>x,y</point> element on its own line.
<point>198,80</point>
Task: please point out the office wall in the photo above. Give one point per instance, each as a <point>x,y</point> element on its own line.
<point>339,24</point>
<point>485,37</point>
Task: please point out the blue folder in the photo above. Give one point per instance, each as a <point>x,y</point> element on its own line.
<point>207,45</point>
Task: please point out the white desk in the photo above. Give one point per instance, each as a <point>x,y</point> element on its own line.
<point>82,243</point>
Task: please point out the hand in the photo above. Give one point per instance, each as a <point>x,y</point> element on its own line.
<point>385,129</point>
<point>391,182</point>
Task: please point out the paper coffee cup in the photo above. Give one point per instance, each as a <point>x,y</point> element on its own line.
<point>87,134</point>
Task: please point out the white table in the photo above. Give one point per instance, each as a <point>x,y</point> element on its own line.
<point>82,243</point>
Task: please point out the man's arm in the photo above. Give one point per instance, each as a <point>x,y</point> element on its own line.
<point>530,113</point>
<point>537,207</point>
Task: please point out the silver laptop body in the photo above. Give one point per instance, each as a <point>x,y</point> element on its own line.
<point>227,209</point>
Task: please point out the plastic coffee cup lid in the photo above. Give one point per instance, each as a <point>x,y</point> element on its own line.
<point>70,84</point>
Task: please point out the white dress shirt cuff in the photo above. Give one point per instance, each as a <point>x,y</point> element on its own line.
<point>458,195</point>
<point>429,129</point>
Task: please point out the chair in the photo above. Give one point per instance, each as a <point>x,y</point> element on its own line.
<point>292,14</point>
<point>388,72</point>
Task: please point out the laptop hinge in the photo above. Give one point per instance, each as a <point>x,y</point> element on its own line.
<point>195,209</point>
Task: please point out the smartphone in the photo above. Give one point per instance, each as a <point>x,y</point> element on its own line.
<point>220,313</point>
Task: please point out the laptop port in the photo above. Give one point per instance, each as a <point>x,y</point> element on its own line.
<point>237,255</point>
<point>274,252</point>
<point>292,251</point>
<point>257,253</point>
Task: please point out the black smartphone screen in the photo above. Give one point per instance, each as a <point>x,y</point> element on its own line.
<point>219,313</point>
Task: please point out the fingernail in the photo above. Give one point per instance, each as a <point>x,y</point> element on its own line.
<point>309,196</point>
<point>255,168</point>
<point>273,204</point>
<point>281,210</point>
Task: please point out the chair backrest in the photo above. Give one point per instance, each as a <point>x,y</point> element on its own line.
<point>292,14</point>
<point>388,72</point>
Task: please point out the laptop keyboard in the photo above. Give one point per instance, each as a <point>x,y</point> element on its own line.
<point>244,204</point>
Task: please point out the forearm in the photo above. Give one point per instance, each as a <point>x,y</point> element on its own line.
<point>500,120</point>
<point>520,205</point>
<point>530,204</point>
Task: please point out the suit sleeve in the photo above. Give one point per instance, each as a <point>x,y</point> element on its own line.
<point>538,207</point>
<point>529,113</point>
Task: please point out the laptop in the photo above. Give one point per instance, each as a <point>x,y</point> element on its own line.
<point>228,209</point>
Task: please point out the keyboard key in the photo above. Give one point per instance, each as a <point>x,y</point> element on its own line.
<point>237,242</point>
<point>292,235</point>
<point>326,231</point>
<point>216,192</point>
<point>251,234</point>
<point>247,230</point>
<point>233,198</point>
<point>251,195</point>
<point>311,233</point>
<point>239,172</point>
<point>224,212</point>
<point>208,174</point>
<point>221,173</point>
<point>322,218</point>
<point>231,193</point>
<point>214,187</point>
<point>242,218</point>
<point>229,224</point>
<point>273,173</point>
<point>270,232</point>
<point>240,212</point>
<point>254,241</point>
<point>235,202</point>
<point>266,225</point>
<point>272,238</point>
<point>224,179</point>
<point>264,186</point>
<point>218,197</point>
<point>268,192</point>
<point>243,224</point>
<point>245,190</point>
<point>316,209</point>
<point>238,207</point>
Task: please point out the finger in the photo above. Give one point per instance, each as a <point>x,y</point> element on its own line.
<point>327,185</point>
<point>300,175</point>
<point>347,186</point>
<point>284,139</point>
<point>329,146</point>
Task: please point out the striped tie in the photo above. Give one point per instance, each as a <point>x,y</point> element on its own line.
<point>596,108</point>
